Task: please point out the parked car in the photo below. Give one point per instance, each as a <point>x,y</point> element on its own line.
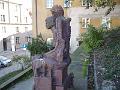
<point>5,61</point>
<point>1,65</point>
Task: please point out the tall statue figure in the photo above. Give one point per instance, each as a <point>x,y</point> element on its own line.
<point>58,59</point>
<point>61,30</point>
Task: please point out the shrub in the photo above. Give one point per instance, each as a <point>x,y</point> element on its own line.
<point>23,60</point>
<point>93,38</point>
<point>38,46</point>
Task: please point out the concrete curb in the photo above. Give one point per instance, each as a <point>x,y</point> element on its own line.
<point>14,78</point>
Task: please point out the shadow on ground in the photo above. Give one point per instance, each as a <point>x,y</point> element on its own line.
<point>77,57</point>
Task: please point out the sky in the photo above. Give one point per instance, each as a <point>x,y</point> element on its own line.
<point>27,3</point>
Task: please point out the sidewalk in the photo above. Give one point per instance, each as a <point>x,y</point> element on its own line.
<point>23,85</point>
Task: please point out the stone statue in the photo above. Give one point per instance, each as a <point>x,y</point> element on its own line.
<point>61,30</point>
<point>58,59</point>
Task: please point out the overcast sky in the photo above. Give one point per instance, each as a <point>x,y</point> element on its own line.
<point>27,3</point>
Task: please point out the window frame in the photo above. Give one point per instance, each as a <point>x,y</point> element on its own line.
<point>84,5</point>
<point>17,40</point>
<point>26,29</point>
<point>49,3</point>
<point>16,17</point>
<point>3,18</point>
<point>68,4</point>
<point>28,39</point>
<point>106,21</point>
<point>4,29</point>
<point>86,22</point>
<point>17,30</point>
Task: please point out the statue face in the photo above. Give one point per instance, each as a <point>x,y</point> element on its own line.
<point>49,22</point>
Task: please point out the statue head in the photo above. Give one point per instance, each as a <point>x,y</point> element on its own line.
<point>57,10</point>
<point>50,22</point>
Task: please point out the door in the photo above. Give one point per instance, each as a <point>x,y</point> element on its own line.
<point>5,44</point>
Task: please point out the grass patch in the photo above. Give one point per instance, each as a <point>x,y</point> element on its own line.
<point>85,67</point>
<point>26,76</point>
<point>8,76</point>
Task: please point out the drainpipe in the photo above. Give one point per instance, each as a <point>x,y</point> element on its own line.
<point>36,17</point>
<point>9,11</point>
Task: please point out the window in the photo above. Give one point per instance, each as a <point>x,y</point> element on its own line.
<point>17,29</point>
<point>26,19</point>
<point>26,29</point>
<point>85,22</point>
<point>16,18</point>
<point>16,8</point>
<point>49,3</point>
<point>17,40</point>
<point>106,22</point>
<point>84,3</point>
<point>67,3</point>
<point>28,39</point>
<point>3,18</point>
<point>2,6</point>
<point>4,29</point>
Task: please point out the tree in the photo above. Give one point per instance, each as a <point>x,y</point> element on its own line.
<point>93,38</point>
<point>38,45</point>
<point>97,4</point>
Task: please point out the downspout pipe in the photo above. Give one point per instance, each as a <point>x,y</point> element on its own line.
<point>36,18</point>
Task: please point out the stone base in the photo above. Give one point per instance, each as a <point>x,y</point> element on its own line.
<point>42,83</point>
<point>59,88</point>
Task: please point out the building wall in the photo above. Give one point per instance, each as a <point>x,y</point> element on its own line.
<point>76,12</point>
<point>17,22</point>
<point>42,13</point>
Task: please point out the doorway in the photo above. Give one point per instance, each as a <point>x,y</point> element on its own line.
<point>4,44</point>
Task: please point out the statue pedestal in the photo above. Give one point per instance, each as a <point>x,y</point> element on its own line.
<point>58,74</point>
<point>59,88</point>
<point>42,83</point>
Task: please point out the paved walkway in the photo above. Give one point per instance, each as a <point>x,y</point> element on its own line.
<point>79,81</point>
<point>23,85</point>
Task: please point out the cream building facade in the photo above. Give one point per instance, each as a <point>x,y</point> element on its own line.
<point>15,21</point>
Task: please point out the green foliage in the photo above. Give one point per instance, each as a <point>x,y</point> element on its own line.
<point>101,4</point>
<point>9,76</point>
<point>38,45</point>
<point>25,61</point>
<point>93,38</point>
<point>20,59</point>
<point>109,56</point>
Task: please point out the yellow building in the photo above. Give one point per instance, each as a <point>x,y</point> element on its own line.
<point>79,14</point>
